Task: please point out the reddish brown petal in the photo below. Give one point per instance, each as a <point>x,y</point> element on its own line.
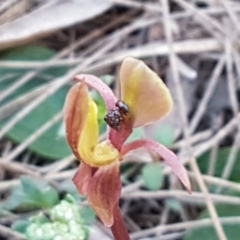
<point>82,178</point>
<point>117,138</point>
<point>96,83</point>
<point>104,191</point>
<point>75,114</point>
<point>169,157</point>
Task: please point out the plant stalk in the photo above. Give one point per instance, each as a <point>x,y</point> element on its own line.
<point>118,228</point>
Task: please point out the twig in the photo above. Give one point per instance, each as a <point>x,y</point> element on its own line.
<point>7,77</point>
<point>217,138</point>
<point>40,64</point>
<point>59,165</point>
<point>218,182</point>
<point>215,10</point>
<point>234,103</point>
<point>186,129</point>
<point>5,5</point>
<point>131,223</point>
<point>232,157</point>
<point>208,23</point>
<point>17,84</point>
<point>207,95</point>
<point>7,148</point>
<point>213,160</point>
<point>171,236</point>
<point>231,80</point>
<point>93,34</point>
<point>237,65</point>
<point>197,137</point>
<point>158,49</point>
<point>184,226</point>
<point>18,168</point>
<point>145,6</point>
<point>8,184</point>
<point>163,219</point>
<point>194,198</point>
<point>9,233</point>
<point>231,14</point>
<point>131,187</point>
<point>17,103</point>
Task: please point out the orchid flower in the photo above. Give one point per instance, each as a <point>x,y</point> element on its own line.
<point>144,100</point>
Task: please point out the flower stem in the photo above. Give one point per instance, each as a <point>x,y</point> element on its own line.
<point>118,228</point>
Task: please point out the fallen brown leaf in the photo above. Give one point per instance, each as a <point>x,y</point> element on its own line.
<point>49,18</point>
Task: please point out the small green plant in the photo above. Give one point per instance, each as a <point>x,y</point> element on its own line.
<point>62,222</point>
<point>32,194</point>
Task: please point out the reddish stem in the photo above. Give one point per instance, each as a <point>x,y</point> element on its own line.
<point>118,228</point>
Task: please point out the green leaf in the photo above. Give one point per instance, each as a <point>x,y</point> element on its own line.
<point>173,204</point>
<point>88,215</point>
<point>39,192</point>
<point>32,194</point>
<point>20,226</point>
<point>61,131</point>
<point>69,187</point>
<point>222,156</point>
<point>137,133</point>
<point>15,199</point>
<point>30,53</point>
<point>1,209</point>
<point>101,110</point>
<point>208,233</point>
<point>39,219</point>
<point>50,196</point>
<point>50,144</point>
<point>108,79</point>
<point>152,175</point>
<point>31,189</point>
<point>165,135</point>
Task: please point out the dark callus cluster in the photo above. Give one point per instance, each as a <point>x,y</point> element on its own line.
<point>115,117</point>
